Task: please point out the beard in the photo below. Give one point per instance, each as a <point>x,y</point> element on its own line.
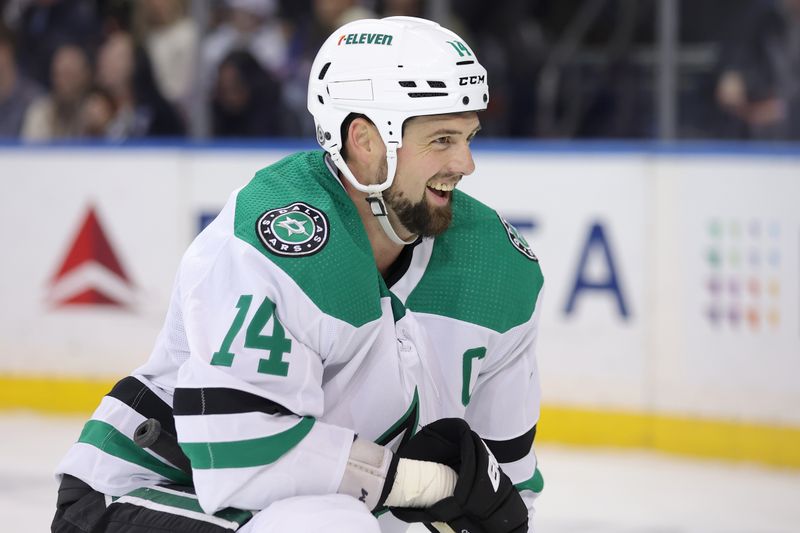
<point>419,218</point>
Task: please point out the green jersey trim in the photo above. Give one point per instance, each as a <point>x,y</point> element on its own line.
<point>188,502</point>
<point>108,439</point>
<point>408,423</point>
<point>535,483</point>
<point>246,453</point>
<point>344,250</point>
<point>398,309</point>
<point>476,274</point>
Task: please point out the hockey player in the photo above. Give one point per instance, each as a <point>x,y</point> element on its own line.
<point>351,335</point>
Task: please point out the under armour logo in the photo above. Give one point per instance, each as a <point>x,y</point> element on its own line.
<point>364,495</point>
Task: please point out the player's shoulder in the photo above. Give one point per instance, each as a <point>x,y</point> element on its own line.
<point>298,217</point>
<point>477,220</point>
<point>481,270</point>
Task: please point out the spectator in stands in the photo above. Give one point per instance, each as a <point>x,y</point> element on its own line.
<point>124,70</point>
<point>16,91</point>
<point>97,114</point>
<point>45,25</point>
<point>514,48</point>
<point>308,35</point>
<point>57,115</point>
<point>246,99</point>
<point>250,25</point>
<point>401,8</point>
<point>759,84</point>
<point>171,40</point>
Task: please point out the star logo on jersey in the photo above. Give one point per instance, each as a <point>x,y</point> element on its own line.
<point>518,240</point>
<point>293,227</point>
<point>91,273</point>
<point>295,230</point>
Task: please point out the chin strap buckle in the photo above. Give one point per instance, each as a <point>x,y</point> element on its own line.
<point>377,205</point>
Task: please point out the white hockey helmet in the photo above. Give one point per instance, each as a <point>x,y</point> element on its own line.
<point>390,70</point>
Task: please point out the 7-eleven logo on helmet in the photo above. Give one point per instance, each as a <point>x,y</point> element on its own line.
<point>365,38</point>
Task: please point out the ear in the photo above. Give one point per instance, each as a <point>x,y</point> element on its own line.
<point>363,142</point>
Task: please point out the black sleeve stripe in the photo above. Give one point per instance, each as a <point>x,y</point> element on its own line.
<point>508,451</point>
<point>223,401</point>
<point>141,399</point>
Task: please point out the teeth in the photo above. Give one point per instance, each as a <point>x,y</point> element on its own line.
<point>442,186</point>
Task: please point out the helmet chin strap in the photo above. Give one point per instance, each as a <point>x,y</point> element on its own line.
<point>378,207</point>
<point>375,192</point>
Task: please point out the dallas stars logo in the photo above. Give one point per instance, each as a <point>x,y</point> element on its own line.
<point>293,231</point>
<point>518,240</point>
<point>294,227</point>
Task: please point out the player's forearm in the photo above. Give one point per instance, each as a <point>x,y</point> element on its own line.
<point>274,457</point>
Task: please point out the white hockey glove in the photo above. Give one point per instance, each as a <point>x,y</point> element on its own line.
<point>377,477</point>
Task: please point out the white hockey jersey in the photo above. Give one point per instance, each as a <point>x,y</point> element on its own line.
<point>282,340</point>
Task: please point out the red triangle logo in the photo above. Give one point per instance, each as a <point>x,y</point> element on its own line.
<point>91,245</point>
<point>89,297</point>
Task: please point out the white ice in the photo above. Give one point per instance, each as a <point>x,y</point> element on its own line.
<point>586,490</point>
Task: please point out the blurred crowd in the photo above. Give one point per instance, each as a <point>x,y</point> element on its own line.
<point>126,69</point>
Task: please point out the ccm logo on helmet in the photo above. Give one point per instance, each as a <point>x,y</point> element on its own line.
<point>365,38</point>
<point>471,80</point>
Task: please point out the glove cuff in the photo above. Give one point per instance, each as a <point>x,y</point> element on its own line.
<point>370,468</point>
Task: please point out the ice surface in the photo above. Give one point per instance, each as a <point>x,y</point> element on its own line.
<point>586,490</point>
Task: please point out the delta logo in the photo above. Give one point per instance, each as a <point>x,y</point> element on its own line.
<point>91,274</point>
<point>365,38</point>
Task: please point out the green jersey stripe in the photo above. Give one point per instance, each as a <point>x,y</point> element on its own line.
<point>108,439</point>
<point>535,483</point>
<point>188,502</point>
<point>194,515</point>
<point>246,453</point>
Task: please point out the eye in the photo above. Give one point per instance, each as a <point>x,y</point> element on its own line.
<point>442,140</point>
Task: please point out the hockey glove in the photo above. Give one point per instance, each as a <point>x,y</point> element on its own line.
<point>484,500</point>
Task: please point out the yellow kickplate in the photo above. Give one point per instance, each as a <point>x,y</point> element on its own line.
<point>53,395</point>
<point>741,441</point>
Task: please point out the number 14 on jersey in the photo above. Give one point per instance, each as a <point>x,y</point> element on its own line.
<point>277,344</point>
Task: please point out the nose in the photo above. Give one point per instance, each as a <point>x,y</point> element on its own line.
<point>463,163</point>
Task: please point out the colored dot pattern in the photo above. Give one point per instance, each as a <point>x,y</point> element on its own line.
<point>742,266</point>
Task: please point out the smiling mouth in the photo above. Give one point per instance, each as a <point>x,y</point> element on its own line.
<point>439,193</point>
<point>442,190</point>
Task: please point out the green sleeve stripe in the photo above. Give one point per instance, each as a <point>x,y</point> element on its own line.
<point>108,439</point>
<point>535,483</point>
<point>246,453</point>
<point>189,503</point>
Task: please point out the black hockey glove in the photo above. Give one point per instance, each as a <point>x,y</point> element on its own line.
<point>484,500</point>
